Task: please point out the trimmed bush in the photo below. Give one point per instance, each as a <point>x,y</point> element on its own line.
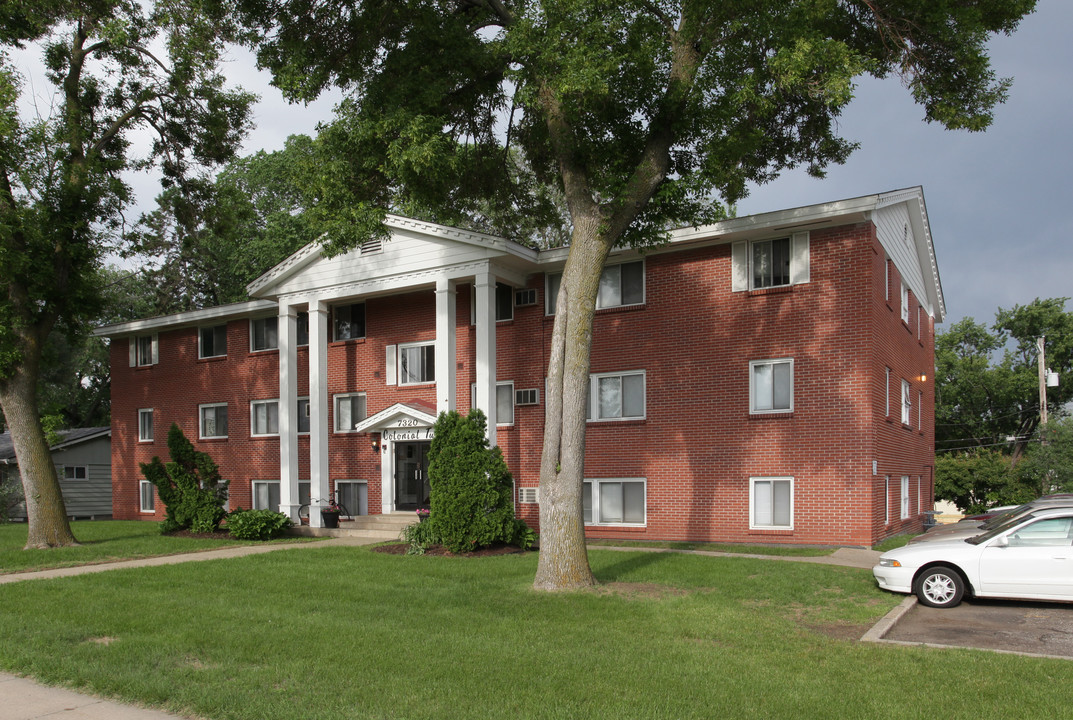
<point>257,524</point>
<point>189,486</point>
<point>472,489</point>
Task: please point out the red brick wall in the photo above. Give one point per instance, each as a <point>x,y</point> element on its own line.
<point>698,446</point>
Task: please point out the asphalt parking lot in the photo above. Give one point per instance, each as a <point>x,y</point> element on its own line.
<point>1026,627</point>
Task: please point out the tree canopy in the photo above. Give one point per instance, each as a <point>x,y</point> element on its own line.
<point>116,67</point>
<point>640,115</point>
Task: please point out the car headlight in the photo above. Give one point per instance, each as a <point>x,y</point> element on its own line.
<point>889,562</point>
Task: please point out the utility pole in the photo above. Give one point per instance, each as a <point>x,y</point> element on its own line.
<point>1042,385</point>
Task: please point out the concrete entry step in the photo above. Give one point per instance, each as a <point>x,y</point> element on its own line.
<point>373,527</point>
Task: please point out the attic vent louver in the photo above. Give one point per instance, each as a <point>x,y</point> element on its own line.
<point>371,246</point>
<point>528,495</point>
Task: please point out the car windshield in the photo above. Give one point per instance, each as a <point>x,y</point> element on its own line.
<point>1010,521</point>
<point>1002,517</point>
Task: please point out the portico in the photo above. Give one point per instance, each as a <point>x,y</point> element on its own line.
<point>419,258</point>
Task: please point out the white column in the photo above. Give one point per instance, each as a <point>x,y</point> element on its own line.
<point>287,331</point>
<point>318,410</point>
<point>486,350</point>
<point>446,362</point>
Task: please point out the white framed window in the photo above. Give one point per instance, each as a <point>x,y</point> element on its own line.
<point>617,396</point>
<point>552,281</point>
<point>264,333</point>
<point>353,495</point>
<point>886,279</point>
<point>212,341</point>
<point>143,351</point>
<point>303,415</point>
<point>349,411</point>
<point>417,363</point>
<point>213,420</point>
<point>905,497</point>
<point>886,497</point>
<point>146,496</point>
<point>920,319</point>
<point>620,285</point>
<point>76,473</point>
<point>907,402</point>
<point>265,495</point>
<point>504,295</point>
<point>145,425</point>
<point>504,401</point>
<point>886,390</point>
<point>920,411</point>
<point>771,386</point>
<point>614,501</point>
<point>905,303</point>
<point>264,417</point>
<point>771,503</point>
<point>348,322</point>
<point>303,329</point>
<point>770,262</point>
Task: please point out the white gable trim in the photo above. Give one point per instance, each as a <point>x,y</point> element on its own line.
<point>399,415</point>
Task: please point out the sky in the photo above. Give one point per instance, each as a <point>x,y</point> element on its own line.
<point>998,201</point>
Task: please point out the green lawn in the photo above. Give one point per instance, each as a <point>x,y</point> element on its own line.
<point>343,632</point>
<point>777,550</point>
<point>101,541</point>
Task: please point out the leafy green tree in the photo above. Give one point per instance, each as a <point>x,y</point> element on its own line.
<point>1048,464</point>
<point>61,191</point>
<point>978,479</point>
<point>205,244</point>
<point>472,489</point>
<point>189,486</point>
<point>642,114</point>
<point>987,380</point>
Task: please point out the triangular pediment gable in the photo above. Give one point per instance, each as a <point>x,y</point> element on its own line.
<point>413,249</point>
<point>398,416</point>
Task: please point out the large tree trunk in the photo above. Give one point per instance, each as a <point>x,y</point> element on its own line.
<point>564,561</point>
<point>45,512</point>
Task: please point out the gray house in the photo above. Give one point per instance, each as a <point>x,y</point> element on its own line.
<point>83,459</point>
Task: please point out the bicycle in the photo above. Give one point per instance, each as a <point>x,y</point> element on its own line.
<point>332,506</point>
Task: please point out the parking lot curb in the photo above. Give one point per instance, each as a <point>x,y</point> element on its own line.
<point>879,631</point>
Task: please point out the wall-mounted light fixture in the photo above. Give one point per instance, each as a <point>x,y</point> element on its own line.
<point>923,377</point>
<point>376,444</point>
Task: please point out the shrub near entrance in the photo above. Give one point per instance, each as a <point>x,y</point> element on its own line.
<point>472,504</point>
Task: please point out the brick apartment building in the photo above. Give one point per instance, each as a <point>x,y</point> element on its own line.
<point>764,379</point>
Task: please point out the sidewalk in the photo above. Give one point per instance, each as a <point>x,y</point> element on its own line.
<point>24,699</point>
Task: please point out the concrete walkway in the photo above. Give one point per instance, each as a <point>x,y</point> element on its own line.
<point>24,699</point>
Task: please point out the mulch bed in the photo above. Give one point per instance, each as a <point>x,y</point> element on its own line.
<point>218,535</point>
<point>441,551</point>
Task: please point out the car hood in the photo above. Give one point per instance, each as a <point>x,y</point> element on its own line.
<point>920,553</point>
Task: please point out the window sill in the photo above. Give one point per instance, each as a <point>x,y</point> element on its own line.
<point>785,415</point>
<point>347,341</point>
<point>213,439</point>
<point>611,422</point>
<point>266,351</point>
<point>771,531</point>
<point>775,290</point>
<point>274,436</point>
<point>214,358</point>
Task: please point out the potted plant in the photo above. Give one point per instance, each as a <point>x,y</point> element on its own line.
<point>423,513</point>
<point>330,515</point>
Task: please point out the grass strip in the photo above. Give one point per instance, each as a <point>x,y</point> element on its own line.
<point>103,541</point>
<point>349,633</point>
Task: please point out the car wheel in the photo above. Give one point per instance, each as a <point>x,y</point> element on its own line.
<point>939,587</point>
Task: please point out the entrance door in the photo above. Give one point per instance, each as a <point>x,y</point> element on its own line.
<point>411,475</point>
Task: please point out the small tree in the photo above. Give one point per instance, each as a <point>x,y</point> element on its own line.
<point>189,486</point>
<point>471,486</point>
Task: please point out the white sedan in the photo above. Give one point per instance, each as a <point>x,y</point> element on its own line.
<point>1031,559</point>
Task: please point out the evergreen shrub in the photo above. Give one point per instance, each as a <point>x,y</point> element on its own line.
<point>257,524</point>
<point>189,486</point>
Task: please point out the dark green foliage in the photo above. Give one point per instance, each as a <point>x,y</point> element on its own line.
<point>10,494</point>
<point>977,480</point>
<point>472,488</point>
<point>189,486</point>
<point>420,536</point>
<point>257,524</point>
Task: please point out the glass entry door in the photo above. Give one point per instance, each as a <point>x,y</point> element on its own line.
<point>411,475</point>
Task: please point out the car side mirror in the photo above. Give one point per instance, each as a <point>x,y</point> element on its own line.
<point>1001,542</point>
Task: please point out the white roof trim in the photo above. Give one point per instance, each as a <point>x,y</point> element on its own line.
<point>383,419</point>
<point>191,317</point>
